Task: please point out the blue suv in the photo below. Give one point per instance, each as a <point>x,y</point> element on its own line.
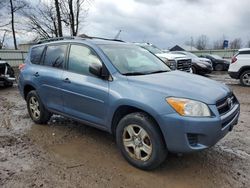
<point>129,92</point>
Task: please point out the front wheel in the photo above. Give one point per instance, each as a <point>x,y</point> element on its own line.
<point>140,141</point>
<point>38,113</point>
<point>245,78</point>
<point>194,71</point>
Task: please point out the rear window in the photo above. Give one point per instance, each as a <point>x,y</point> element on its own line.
<point>36,54</point>
<point>55,56</point>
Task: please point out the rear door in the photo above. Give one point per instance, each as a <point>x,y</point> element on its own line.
<point>85,95</point>
<point>49,76</point>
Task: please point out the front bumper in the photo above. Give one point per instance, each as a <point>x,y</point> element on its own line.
<point>188,134</point>
<point>203,70</point>
<point>6,79</point>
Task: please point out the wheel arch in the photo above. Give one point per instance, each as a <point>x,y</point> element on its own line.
<point>27,89</point>
<point>243,69</point>
<point>123,110</point>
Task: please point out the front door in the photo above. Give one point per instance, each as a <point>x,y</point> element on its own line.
<point>85,96</point>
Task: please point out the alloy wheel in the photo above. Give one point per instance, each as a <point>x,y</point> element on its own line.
<point>34,107</point>
<point>137,142</point>
<point>246,79</point>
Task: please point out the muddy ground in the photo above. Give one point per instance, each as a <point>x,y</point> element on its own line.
<point>68,154</point>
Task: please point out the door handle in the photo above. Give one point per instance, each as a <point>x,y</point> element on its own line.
<point>36,74</point>
<point>67,80</point>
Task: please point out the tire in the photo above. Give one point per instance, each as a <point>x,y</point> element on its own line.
<point>245,78</point>
<point>38,113</point>
<point>150,140</point>
<point>194,71</point>
<point>219,67</point>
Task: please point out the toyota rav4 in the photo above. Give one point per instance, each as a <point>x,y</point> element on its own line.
<point>129,92</point>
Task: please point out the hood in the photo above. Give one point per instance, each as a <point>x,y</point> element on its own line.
<point>197,60</point>
<point>170,56</point>
<point>181,84</point>
<point>204,59</point>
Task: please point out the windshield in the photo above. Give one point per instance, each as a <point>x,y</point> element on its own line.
<point>133,60</point>
<point>153,49</point>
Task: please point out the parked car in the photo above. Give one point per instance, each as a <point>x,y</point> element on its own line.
<point>240,66</point>
<point>219,64</point>
<point>174,61</point>
<point>127,91</point>
<point>199,65</point>
<point>7,74</point>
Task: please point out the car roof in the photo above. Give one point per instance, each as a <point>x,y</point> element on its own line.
<point>93,41</point>
<point>244,49</point>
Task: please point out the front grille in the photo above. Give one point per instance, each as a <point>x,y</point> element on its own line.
<point>226,104</point>
<point>184,65</point>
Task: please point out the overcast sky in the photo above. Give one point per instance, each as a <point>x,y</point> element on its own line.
<point>169,22</point>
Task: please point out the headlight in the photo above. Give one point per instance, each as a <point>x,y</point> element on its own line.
<point>201,65</point>
<point>170,63</point>
<point>187,107</point>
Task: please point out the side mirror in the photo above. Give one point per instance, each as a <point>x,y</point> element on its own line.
<point>95,69</point>
<point>100,71</point>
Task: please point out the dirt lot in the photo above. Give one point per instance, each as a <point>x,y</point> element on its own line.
<point>67,154</point>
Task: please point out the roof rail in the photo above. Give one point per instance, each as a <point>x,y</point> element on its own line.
<point>90,37</point>
<point>40,41</point>
<point>104,39</point>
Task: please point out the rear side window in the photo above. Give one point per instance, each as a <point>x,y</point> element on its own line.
<point>36,54</point>
<point>55,56</point>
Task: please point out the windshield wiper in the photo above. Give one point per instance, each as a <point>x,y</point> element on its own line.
<point>159,71</point>
<point>133,73</point>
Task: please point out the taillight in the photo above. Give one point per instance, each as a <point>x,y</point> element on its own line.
<point>234,59</point>
<point>21,66</point>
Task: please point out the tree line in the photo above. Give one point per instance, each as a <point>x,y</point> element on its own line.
<point>202,43</point>
<point>46,19</point>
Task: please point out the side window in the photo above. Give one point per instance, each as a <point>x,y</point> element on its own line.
<point>54,56</point>
<point>36,54</point>
<point>80,58</point>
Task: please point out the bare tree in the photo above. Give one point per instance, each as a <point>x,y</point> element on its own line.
<point>72,10</point>
<point>202,42</point>
<point>218,44</point>
<point>59,21</point>
<point>236,43</point>
<point>42,19</point>
<point>14,7</point>
<point>49,19</point>
<point>3,39</point>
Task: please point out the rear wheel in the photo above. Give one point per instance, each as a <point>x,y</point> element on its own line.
<point>36,109</point>
<point>245,78</point>
<point>219,67</point>
<point>140,141</point>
